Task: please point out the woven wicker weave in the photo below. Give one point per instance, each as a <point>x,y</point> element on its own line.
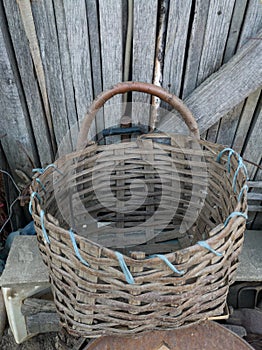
<point>127,267</point>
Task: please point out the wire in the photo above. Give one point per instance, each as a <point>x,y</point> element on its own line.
<point>10,214</point>
<point>12,204</point>
<point>11,177</point>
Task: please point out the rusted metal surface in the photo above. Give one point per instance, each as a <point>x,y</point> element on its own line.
<point>205,336</point>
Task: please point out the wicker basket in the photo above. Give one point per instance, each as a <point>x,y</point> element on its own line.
<point>122,262</point>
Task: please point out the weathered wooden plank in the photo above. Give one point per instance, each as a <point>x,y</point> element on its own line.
<point>94,38</point>
<point>252,23</point>
<point>29,82</point>
<point>253,148</point>
<point>255,184</point>
<point>44,21</point>
<point>216,33</point>
<point>235,29</point>
<point>177,29</point>
<point>43,322</point>
<point>78,41</point>
<point>29,27</point>
<point>253,16</point>
<point>65,61</point>
<point>217,28</point>
<point>228,126</point>
<point>196,43</point>
<point>110,16</point>
<point>159,59</point>
<point>212,100</point>
<point>254,196</point>
<point>33,306</point>
<point>245,120</point>
<point>144,39</point>
<point>14,119</point>
<point>254,209</point>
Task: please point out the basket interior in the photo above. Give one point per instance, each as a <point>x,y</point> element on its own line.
<point>157,194</point>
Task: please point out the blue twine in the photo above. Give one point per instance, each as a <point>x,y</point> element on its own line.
<point>245,187</point>
<point>204,244</point>
<point>34,194</point>
<point>127,273</point>
<point>46,239</point>
<point>241,165</point>
<point>41,184</point>
<point>167,262</point>
<point>235,213</point>
<point>72,237</point>
<point>42,170</point>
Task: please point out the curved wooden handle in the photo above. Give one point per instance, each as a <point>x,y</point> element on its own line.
<point>124,87</point>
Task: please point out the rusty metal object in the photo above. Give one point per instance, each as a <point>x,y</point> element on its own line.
<point>205,336</point>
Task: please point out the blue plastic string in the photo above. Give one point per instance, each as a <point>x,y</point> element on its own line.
<point>42,216</point>
<point>204,244</point>
<point>241,165</point>
<point>223,151</point>
<point>34,194</point>
<point>167,262</point>
<point>42,170</point>
<point>40,183</point>
<point>245,187</point>
<point>235,213</point>
<point>72,237</point>
<point>127,273</point>
<point>231,152</point>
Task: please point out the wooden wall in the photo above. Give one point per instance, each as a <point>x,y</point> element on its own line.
<point>57,55</point>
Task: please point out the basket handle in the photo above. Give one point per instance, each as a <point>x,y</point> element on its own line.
<point>124,87</point>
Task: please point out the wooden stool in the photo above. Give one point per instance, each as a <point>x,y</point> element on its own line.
<point>24,282</point>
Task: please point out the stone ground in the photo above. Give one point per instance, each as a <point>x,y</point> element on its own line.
<point>41,342</point>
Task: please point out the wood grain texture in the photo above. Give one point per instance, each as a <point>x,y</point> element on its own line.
<point>29,82</point>
<point>65,60</point>
<point>216,32</point>
<point>30,30</point>
<point>110,17</point>
<point>14,120</point>
<point>78,41</point>
<point>253,149</point>
<point>144,40</point>
<point>217,28</point>
<point>95,52</point>
<point>196,42</point>
<point>245,120</point>
<point>228,126</point>
<point>178,19</point>
<point>211,100</point>
<point>239,22</point>
<point>252,22</point>
<point>235,29</point>
<point>44,21</point>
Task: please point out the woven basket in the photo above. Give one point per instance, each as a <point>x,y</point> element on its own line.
<point>144,234</point>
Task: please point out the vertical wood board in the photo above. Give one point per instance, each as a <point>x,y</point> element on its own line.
<point>29,82</point>
<point>144,39</point>
<point>13,119</point>
<point>196,43</point>
<point>45,25</point>
<point>78,41</point>
<point>65,60</point>
<point>177,30</point>
<point>110,19</point>
<point>95,53</point>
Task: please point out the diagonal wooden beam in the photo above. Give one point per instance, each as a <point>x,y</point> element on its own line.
<point>226,88</point>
